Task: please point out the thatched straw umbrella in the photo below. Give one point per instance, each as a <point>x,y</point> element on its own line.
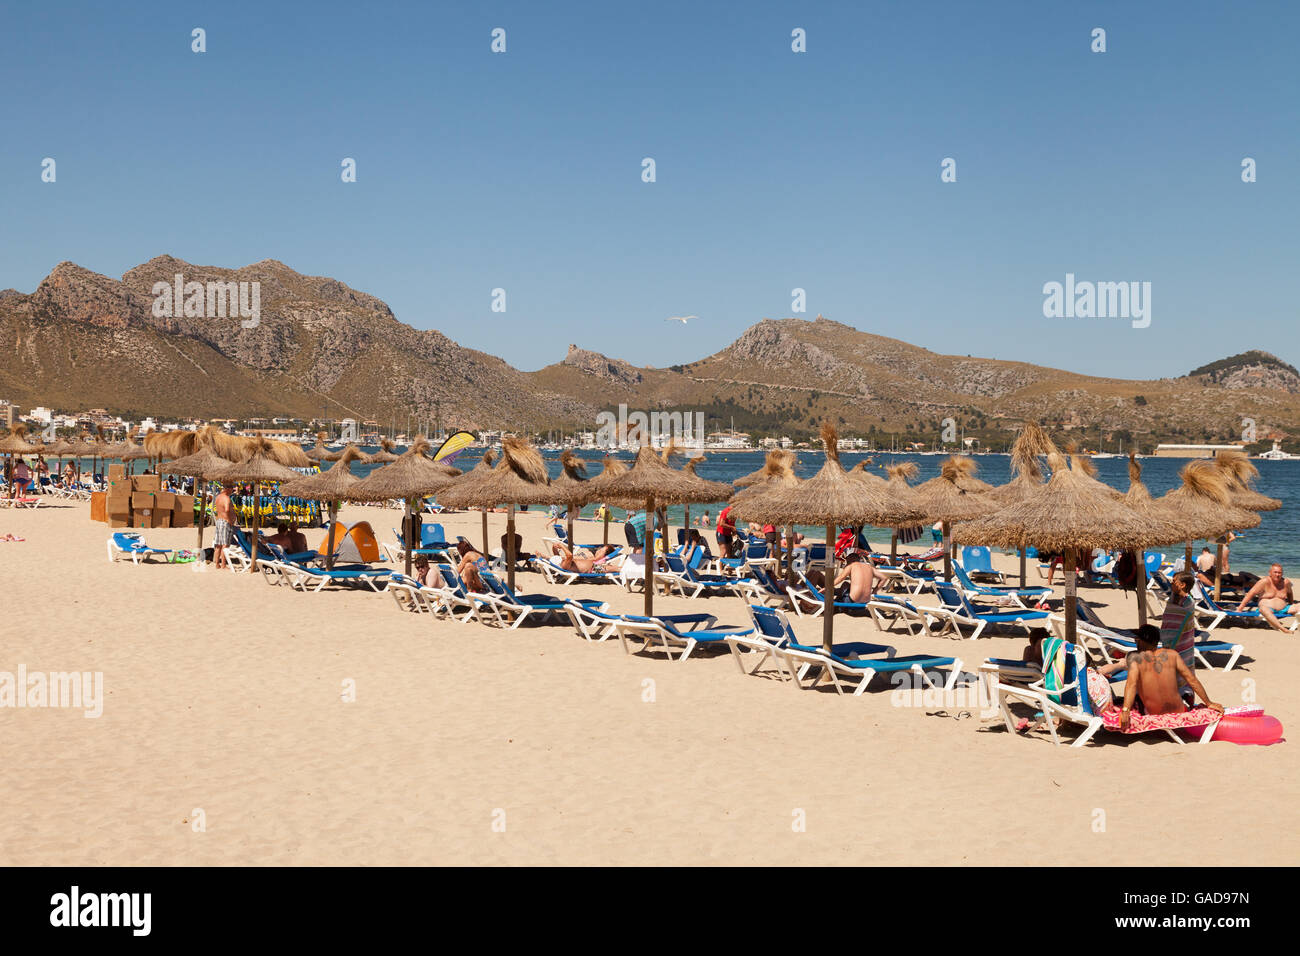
<point>946,499</point>
<point>519,478</point>
<point>1205,500</point>
<point>1026,474</point>
<point>200,466</point>
<point>331,486</point>
<point>1240,473</point>
<point>58,449</point>
<point>777,472</point>
<point>898,486</point>
<point>1174,526</point>
<point>611,468</point>
<point>477,474</point>
<point>319,452</point>
<point>383,456</point>
<point>1071,512</point>
<point>257,468</point>
<point>829,498</point>
<point>128,451</point>
<point>12,446</point>
<point>409,478</point>
<point>572,480</point>
<point>650,479</point>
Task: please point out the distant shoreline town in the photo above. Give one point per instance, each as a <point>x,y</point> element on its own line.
<point>51,424</point>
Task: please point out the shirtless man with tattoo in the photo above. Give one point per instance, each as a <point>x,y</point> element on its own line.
<point>1153,677</point>
<point>1275,594</point>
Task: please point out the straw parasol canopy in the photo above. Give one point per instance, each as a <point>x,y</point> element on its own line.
<point>201,465</point>
<point>1071,512</point>
<point>383,456</point>
<point>319,452</point>
<point>572,481</point>
<point>204,463</point>
<point>520,477</point>
<point>331,486</point>
<point>476,474</point>
<point>611,468</point>
<point>334,484</point>
<point>1172,524</point>
<point>258,467</point>
<point>412,476</point>
<point>1204,499</point>
<point>828,498</point>
<point>778,469</point>
<point>1240,473</point>
<point>651,479</point>
<point>16,443</point>
<point>13,445</point>
<point>950,497</point>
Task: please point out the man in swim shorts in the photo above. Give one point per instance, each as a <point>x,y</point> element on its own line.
<point>1274,593</point>
<point>223,531</point>
<point>1154,674</point>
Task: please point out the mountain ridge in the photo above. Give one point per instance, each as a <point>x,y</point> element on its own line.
<point>324,349</point>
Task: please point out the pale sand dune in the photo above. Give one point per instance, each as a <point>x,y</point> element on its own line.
<point>225,694</point>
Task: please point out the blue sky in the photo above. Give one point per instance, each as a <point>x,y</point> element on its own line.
<point>775,170</point>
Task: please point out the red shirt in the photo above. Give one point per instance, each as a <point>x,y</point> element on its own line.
<point>725,524</point>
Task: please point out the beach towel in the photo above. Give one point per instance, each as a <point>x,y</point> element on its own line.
<point>1198,716</point>
<point>1054,667</point>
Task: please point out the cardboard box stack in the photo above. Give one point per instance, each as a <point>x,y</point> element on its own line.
<point>140,502</point>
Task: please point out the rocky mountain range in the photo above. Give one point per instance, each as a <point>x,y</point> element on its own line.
<point>323,349</point>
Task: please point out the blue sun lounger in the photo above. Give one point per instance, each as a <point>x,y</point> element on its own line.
<point>130,543</point>
<point>1019,595</point>
<point>1092,626</point>
<point>521,606</point>
<point>845,664</point>
<point>957,610</point>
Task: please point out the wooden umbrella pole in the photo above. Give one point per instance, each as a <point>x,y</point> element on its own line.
<point>1142,587</point>
<point>893,547</point>
<point>257,501</point>
<point>649,558</point>
<point>947,553</point>
<point>510,546</point>
<point>605,539</point>
<point>686,518</point>
<point>789,553</point>
<point>203,509</point>
<point>329,536</point>
<point>1071,606</point>
<point>828,589</point>
<point>1187,557</point>
<point>568,527</point>
<point>487,547</point>
<point>408,538</point>
<point>1022,567</point>
<point>1218,570</point>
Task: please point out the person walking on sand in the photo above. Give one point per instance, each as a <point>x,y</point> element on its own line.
<point>223,531</point>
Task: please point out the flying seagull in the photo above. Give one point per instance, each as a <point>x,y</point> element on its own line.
<point>680,318</point>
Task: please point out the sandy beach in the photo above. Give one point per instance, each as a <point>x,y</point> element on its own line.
<point>225,703</point>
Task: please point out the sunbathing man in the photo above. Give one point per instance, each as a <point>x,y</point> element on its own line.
<point>1154,674</point>
<point>223,531</point>
<point>861,576</point>
<point>581,560</point>
<point>1274,593</point>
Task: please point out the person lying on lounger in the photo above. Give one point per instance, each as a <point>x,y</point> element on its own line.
<point>1154,674</point>
<point>470,559</point>
<point>580,560</point>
